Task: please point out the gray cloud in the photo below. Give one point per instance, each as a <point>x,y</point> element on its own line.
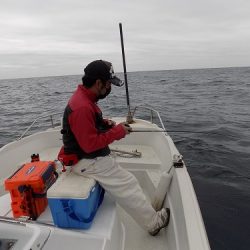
<point>59,37</point>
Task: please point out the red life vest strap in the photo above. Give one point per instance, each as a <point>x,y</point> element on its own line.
<point>67,159</point>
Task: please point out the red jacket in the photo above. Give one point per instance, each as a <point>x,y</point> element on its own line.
<point>85,132</point>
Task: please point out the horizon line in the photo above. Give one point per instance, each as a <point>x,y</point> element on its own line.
<point>135,71</point>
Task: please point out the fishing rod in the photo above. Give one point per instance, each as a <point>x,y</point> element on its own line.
<point>129,115</point>
<point>129,118</point>
<point>167,131</point>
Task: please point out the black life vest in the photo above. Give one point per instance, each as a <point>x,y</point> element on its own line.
<point>71,145</point>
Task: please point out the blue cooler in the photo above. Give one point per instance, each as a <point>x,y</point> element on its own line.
<point>74,200</point>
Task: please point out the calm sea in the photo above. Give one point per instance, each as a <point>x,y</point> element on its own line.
<point>215,102</point>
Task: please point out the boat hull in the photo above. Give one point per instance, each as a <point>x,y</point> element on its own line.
<point>186,230</point>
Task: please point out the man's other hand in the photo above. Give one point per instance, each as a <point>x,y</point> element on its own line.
<point>110,123</point>
<point>126,127</point>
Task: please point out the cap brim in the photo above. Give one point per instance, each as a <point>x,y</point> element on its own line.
<point>116,81</point>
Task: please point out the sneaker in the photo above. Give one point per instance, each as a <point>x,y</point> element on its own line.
<point>160,221</point>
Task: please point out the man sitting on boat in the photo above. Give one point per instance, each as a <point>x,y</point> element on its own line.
<point>86,136</point>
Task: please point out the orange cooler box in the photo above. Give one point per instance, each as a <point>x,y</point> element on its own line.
<point>28,188</point>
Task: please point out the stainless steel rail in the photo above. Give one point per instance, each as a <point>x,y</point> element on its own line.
<point>152,111</point>
<point>39,118</point>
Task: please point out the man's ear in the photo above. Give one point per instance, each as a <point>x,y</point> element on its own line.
<point>99,82</point>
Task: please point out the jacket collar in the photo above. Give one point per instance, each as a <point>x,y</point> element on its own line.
<point>91,95</point>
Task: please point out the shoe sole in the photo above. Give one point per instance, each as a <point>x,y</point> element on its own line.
<point>164,225</point>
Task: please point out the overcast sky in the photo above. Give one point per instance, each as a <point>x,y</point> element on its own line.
<point>59,37</point>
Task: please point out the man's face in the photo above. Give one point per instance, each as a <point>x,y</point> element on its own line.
<point>105,90</point>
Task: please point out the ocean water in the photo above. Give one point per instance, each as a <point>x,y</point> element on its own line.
<point>215,102</point>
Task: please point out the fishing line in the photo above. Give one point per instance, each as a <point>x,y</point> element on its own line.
<point>167,131</point>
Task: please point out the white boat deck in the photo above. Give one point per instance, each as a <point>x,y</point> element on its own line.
<point>186,229</point>
<point>138,239</point>
<point>109,214</point>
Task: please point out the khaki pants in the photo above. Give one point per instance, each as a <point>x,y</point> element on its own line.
<point>121,184</point>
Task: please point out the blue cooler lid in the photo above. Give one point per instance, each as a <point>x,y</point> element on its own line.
<point>71,185</point>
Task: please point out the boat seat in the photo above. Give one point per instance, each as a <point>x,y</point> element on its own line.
<point>148,160</point>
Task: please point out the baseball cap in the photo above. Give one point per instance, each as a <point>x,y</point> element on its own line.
<point>103,70</point>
